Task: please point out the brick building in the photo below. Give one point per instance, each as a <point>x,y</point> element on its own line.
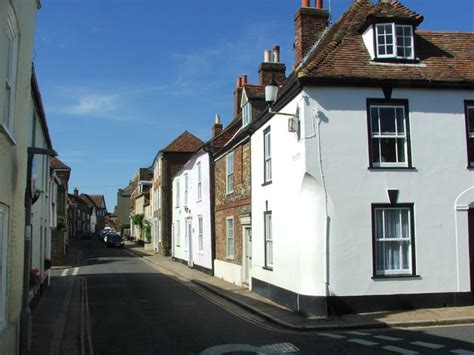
<point>232,174</point>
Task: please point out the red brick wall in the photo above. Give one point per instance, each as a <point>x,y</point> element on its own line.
<point>234,204</point>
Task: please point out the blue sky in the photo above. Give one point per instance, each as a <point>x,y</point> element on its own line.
<point>120,79</point>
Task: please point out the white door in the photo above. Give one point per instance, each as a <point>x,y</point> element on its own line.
<point>248,254</point>
<point>189,234</point>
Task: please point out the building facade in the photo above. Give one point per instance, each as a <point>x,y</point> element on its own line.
<point>375,164</point>
<point>17,18</point>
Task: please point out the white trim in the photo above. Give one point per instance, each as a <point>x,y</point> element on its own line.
<point>229,256</point>
<point>229,173</point>
<point>394,45</point>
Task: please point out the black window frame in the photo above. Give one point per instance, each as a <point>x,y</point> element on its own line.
<point>389,102</point>
<point>411,207</point>
<point>468,104</point>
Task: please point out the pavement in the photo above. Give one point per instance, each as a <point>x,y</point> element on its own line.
<point>54,307</point>
<point>288,319</point>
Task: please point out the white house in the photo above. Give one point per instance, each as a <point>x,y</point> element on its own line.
<point>365,196</point>
<point>191,228</point>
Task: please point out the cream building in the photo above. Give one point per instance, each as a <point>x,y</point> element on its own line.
<point>18,20</point>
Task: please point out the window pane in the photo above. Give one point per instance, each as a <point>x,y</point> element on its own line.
<point>405,224</point>
<point>387,120</point>
<point>376,150</point>
<point>405,255</point>
<point>392,255</point>
<point>374,115</point>
<point>378,224</point>
<point>381,39</point>
<point>470,114</point>
<point>388,29</point>
<point>382,50</point>
<point>380,256</point>
<point>471,151</point>
<point>390,50</point>
<point>388,150</point>
<point>400,120</point>
<point>401,150</point>
<point>392,223</point>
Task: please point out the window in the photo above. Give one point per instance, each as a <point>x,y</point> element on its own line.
<point>394,41</point>
<point>267,155</point>
<point>178,233</point>
<point>177,192</point>
<point>470,132</point>
<point>158,198</point>
<point>393,239</point>
<point>159,167</point>
<point>186,184</point>
<point>246,114</point>
<point>230,173</point>
<point>10,78</point>
<point>230,237</point>
<point>3,260</point>
<point>389,133</point>
<point>268,239</point>
<point>199,187</point>
<point>200,234</point>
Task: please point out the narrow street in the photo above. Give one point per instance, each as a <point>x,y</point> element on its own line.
<point>121,305</point>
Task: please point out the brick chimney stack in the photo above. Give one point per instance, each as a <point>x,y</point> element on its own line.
<point>310,23</point>
<point>238,96</point>
<point>217,127</point>
<point>76,192</point>
<point>271,69</point>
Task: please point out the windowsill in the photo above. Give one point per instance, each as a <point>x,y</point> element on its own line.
<point>229,259</point>
<point>7,134</point>
<point>404,168</point>
<point>229,193</point>
<point>267,183</point>
<point>395,276</point>
<point>267,268</point>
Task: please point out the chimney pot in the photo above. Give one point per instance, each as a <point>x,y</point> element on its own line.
<point>276,54</point>
<point>266,56</point>
<point>305,3</point>
<point>218,119</point>
<point>319,4</point>
<point>217,127</point>
<point>244,79</point>
<point>239,82</point>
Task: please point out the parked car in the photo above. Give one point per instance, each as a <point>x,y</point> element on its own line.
<point>113,240</point>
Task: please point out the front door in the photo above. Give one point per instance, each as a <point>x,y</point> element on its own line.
<point>248,254</point>
<point>189,234</point>
<point>471,249</point>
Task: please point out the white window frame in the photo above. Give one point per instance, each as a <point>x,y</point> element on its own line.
<point>267,155</point>
<point>200,234</point>
<point>380,237</point>
<point>4,228</point>
<point>229,173</point>
<point>230,238</point>
<point>186,189</point>
<point>199,181</point>
<point>11,72</point>
<point>394,40</point>
<point>178,233</point>
<point>177,192</point>
<point>246,114</point>
<point>396,136</point>
<point>267,221</point>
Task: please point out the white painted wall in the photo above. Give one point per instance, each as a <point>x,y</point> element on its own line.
<point>191,211</point>
<point>438,150</point>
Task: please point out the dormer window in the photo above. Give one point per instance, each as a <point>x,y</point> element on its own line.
<point>394,41</point>
<point>246,114</point>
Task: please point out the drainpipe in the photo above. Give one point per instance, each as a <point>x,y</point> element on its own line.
<point>326,202</point>
<point>25,316</point>
<point>208,149</point>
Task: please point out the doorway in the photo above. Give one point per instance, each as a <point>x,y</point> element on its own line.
<point>247,232</point>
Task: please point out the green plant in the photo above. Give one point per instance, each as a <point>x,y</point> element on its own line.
<point>147,230</point>
<point>61,224</point>
<point>137,220</point>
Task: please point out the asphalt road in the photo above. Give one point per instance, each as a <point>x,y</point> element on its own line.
<point>121,305</point>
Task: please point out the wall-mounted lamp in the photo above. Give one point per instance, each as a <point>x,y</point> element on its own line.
<point>271,93</point>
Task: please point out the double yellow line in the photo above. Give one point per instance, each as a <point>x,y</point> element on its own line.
<point>85,336</point>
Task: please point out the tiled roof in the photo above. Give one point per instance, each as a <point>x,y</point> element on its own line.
<point>255,92</point>
<point>445,57</point>
<point>186,142</point>
<point>99,200</point>
<point>58,164</point>
<point>127,190</point>
<point>394,10</point>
